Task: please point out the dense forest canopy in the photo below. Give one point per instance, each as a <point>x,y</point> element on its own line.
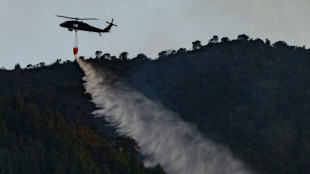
<point>247,94</point>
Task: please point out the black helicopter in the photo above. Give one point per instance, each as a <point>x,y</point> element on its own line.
<point>77,24</point>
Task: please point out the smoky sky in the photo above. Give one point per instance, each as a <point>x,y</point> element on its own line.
<point>30,32</point>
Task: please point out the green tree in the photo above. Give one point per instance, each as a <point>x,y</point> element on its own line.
<point>196,45</point>
<point>163,54</point>
<point>141,57</point>
<point>181,50</point>
<point>242,37</point>
<point>214,40</point>
<point>225,39</point>
<point>106,56</point>
<point>98,54</point>
<point>124,56</point>
<point>29,66</point>
<point>280,44</point>
<point>17,67</point>
<point>267,42</point>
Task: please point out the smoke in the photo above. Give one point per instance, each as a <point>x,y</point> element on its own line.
<point>163,137</point>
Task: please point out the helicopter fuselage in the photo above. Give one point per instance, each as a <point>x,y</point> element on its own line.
<point>78,25</point>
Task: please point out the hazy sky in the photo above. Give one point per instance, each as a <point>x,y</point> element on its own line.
<point>30,32</point>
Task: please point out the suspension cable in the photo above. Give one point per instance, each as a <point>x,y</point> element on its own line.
<point>76,39</point>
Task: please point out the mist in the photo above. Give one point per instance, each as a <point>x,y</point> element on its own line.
<point>164,138</point>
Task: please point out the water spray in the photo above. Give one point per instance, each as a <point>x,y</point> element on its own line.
<point>163,137</point>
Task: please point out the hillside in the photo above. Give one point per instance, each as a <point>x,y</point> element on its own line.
<point>245,94</point>
<point>248,95</point>
<point>46,126</point>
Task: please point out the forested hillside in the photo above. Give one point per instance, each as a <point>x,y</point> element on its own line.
<point>46,126</point>
<point>248,95</point>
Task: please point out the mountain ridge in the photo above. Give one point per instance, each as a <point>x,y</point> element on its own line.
<point>246,94</point>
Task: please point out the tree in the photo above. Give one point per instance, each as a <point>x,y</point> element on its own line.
<point>106,56</point>
<point>214,40</point>
<point>267,42</point>
<point>58,61</point>
<point>181,50</point>
<point>171,52</point>
<point>162,54</point>
<point>113,58</point>
<point>225,39</point>
<point>127,144</point>
<point>124,56</point>
<point>258,41</point>
<point>141,57</point>
<point>280,44</point>
<point>29,66</point>
<point>68,61</point>
<point>17,67</point>
<point>98,54</point>
<point>242,37</point>
<point>196,45</point>
<point>41,64</point>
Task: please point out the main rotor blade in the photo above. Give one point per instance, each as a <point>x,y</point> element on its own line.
<point>77,18</point>
<point>66,17</point>
<point>88,19</point>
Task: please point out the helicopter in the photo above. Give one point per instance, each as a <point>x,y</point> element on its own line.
<point>77,24</point>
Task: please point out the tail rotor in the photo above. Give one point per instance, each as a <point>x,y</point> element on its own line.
<point>111,23</point>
